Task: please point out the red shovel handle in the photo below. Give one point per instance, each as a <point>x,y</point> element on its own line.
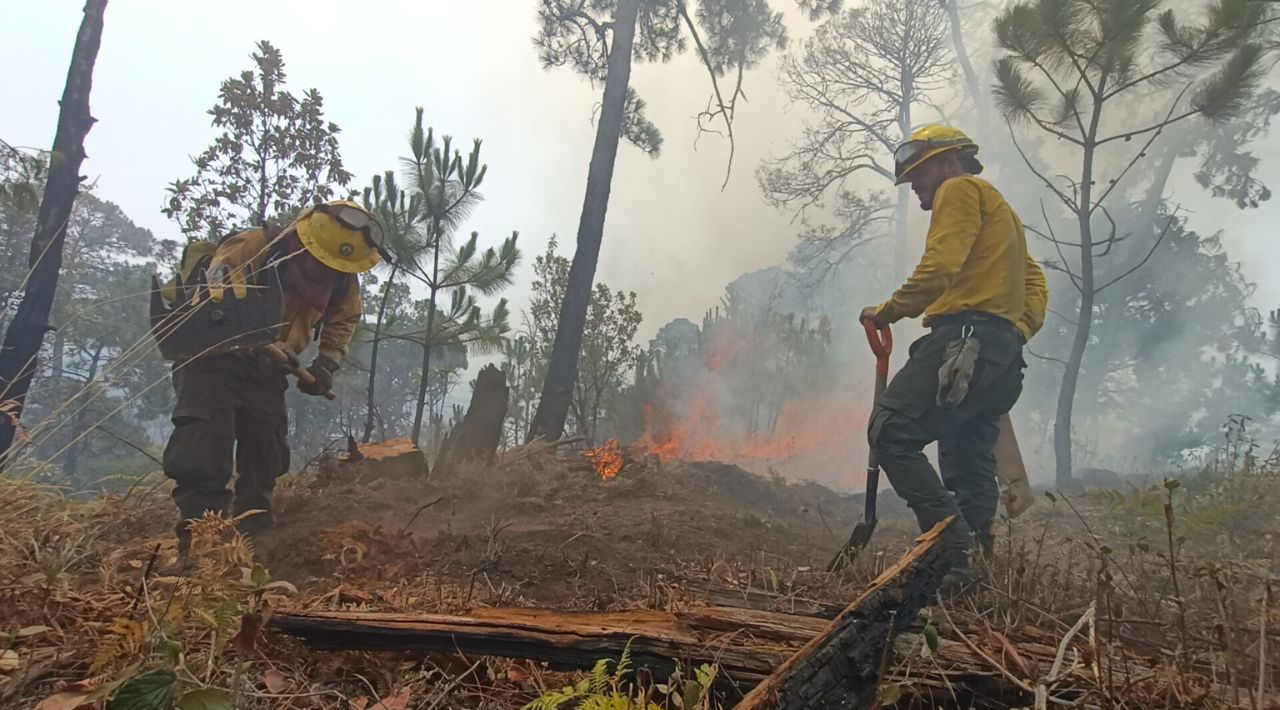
<point>881,341</point>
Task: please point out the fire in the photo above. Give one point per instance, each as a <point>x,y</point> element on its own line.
<point>607,458</point>
<point>712,412</point>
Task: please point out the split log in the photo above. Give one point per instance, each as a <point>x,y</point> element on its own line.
<point>841,667</point>
<point>394,458</point>
<point>747,645</point>
<point>477,436</point>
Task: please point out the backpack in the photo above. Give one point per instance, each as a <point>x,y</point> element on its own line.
<point>191,270</point>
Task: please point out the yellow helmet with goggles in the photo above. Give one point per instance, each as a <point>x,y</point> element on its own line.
<point>925,143</point>
<point>342,235</point>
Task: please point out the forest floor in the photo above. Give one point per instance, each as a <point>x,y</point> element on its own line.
<point>89,600</point>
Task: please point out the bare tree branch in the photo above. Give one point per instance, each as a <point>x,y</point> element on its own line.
<point>1155,245</point>
<point>1069,202</point>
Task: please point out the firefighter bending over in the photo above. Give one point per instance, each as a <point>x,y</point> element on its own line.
<point>230,413</point>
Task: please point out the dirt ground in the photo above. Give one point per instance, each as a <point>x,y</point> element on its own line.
<point>557,535</point>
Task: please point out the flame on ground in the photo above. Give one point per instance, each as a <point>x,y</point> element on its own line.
<point>607,458</point>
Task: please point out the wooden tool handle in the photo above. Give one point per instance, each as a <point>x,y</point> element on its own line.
<point>278,355</point>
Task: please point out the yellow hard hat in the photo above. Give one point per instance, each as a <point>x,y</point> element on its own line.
<point>341,234</point>
<point>925,143</point>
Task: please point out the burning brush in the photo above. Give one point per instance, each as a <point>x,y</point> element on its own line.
<point>607,458</point>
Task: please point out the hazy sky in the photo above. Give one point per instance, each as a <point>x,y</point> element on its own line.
<point>672,235</point>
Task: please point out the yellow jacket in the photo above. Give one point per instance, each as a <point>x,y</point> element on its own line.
<point>975,259</point>
<point>244,255</point>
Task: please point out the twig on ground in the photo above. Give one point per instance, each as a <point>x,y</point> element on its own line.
<point>444,693</point>
<point>1021,684</point>
<point>418,512</point>
<point>1066,640</point>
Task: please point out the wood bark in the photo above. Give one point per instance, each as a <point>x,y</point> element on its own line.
<point>841,667</point>
<point>477,436</point>
<point>562,366</point>
<point>19,357</point>
<point>746,644</point>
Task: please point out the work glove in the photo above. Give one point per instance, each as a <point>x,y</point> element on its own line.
<point>322,368</point>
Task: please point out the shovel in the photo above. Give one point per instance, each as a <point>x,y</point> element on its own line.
<point>881,341</point>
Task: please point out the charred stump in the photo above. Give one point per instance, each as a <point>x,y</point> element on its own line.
<point>477,436</point>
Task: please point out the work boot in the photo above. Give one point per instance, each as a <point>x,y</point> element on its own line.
<point>960,580</point>
<point>957,545</point>
<point>255,527</point>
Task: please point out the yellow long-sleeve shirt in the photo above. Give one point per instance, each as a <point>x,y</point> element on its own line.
<point>975,259</point>
<point>245,254</point>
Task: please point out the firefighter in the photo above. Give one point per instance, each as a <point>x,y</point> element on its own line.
<point>983,297</point>
<point>230,413</point>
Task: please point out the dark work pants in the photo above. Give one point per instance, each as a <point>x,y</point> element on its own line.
<point>230,417</point>
<point>908,418</point>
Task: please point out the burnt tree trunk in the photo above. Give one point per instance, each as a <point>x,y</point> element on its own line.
<point>23,338</point>
<point>842,666</point>
<point>562,367</point>
<point>477,436</point>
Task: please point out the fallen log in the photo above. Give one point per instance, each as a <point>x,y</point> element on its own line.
<point>841,667</point>
<point>746,644</point>
<point>712,593</point>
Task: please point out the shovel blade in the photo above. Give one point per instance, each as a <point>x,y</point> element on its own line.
<point>205,327</point>
<point>858,541</point>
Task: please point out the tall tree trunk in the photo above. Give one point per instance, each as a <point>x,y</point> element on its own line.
<point>25,334</point>
<point>371,402</point>
<point>562,367</point>
<point>1084,322</point>
<point>426,339</point>
<point>71,465</point>
<point>971,80</point>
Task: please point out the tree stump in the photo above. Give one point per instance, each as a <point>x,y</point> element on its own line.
<point>477,436</point>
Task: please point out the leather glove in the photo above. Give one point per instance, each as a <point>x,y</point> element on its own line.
<point>322,368</point>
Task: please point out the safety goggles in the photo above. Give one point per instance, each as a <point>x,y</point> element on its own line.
<point>355,219</point>
<point>909,154</point>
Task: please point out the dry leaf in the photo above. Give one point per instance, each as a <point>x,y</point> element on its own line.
<point>68,701</point>
<point>9,661</point>
<point>516,674</point>
<point>359,703</point>
<point>275,681</point>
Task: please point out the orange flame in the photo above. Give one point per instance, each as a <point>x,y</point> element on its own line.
<point>819,435</point>
<point>607,459</point>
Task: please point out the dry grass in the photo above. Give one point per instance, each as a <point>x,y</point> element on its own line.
<point>1100,599</point>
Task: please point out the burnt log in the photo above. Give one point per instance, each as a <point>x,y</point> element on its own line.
<point>746,644</point>
<point>842,666</point>
<point>477,436</point>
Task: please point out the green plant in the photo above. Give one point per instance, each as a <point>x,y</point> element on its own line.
<point>188,651</point>
<point>616,690</point>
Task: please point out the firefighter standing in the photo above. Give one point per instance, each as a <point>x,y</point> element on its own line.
<point>230,413</point>
<point>983,298</point>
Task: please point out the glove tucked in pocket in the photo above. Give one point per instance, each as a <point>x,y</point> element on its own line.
<point>956,373</point>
